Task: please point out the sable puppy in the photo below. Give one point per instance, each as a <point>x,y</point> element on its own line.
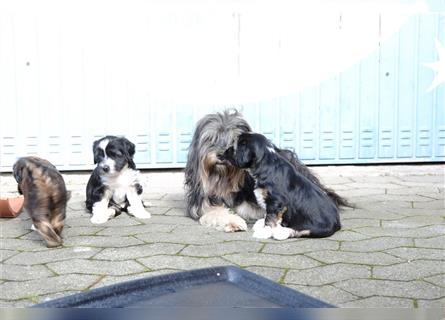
<point>45,196</point>
<point>290,199</point>
<point>219,194</point>
<point>114,185</point>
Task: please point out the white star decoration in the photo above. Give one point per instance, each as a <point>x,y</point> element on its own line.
<point>438,66</point>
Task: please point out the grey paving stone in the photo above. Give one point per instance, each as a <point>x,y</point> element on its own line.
<point>164,203</point>
<point>180,262</point>
<point>433,242</point>
<point>56,254</point>
<point>434,204</point>
<point>77,205</point>
<point>101,241</point>
<point>25,289</point>
<point>381,203</point>
<point>360,192</point>
<point>21,273</point>
<point>15,304</point>
<point>414,190</point>
<point>135,230</point>
<point>14,230</point>
<point>379,302</point>
<point>400,289</point>
<point>438,280</point>
<point>329,294</point>
<point>423,232</point>
<point>173,220</point>
<point>374,185</point>
<point>155,211</point>
<point>365,258</point>
<point>348,235</point>
<point>270,260</point>
<point>300,246</point>
<point>413,222</point>
<point>351,224</point>
<point>176,212</point>
<point>148,195</point>
<point>221,249</point>
<point>189,238</point>
<point>140,251</point>
<point>439,303</point>
<point>23,245</point>
<point>110,280</point>
<point>274,274</point>
<point>418,253</point>
<point>6,254</point>
<point>371,212</point>
<point>327,274</point>
<point>425,178</point>
<point>376,244</point>
<point>412,212</point>
<point>80,231</point>
<point>98,267</point>
<point>402,198</point>
<point>411,270</point>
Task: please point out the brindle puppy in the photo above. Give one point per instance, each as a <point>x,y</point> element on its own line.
<point>45,196</point>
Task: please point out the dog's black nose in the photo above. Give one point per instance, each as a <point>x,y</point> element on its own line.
<point>106,168</point>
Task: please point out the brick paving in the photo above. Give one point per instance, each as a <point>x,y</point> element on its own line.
<point>390,252</point>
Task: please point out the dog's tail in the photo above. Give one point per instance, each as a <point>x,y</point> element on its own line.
<point>338,200</point>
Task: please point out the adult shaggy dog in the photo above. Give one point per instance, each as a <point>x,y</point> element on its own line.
<point>219,194</point>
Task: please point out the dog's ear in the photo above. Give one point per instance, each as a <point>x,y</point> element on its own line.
<point>17,170</point>
<point>130,150</point>
<point>95,152</point>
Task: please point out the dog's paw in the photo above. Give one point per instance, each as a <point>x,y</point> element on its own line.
<point>259,225</point>
<point>139,213</point>
<point>102,217</point>
<point>264,232</point>
<point>282,233</point>
<point>235,223</point>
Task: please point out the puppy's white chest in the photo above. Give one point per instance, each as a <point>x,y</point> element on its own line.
<point>119,195</point>
<point>121,184</point>
<point>261,195</point>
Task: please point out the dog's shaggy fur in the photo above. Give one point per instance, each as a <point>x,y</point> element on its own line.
<point>45,196</point>
<point>221,195</point>
<point>290,199</point>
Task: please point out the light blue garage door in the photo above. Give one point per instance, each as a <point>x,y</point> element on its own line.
<point>57,95</point>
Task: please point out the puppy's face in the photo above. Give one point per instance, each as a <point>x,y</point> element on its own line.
<point>247,151</point>
<point>112,154</point>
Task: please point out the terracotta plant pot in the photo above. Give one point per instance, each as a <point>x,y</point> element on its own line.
<point>11,207</point>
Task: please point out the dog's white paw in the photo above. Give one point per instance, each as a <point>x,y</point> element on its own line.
<point>282,233</point>
<point>235,223</point>
<point>102,216</point>
<point>263,233</point>
<point>33,227</point>
<point>259,225</point>
<point>139,213</point>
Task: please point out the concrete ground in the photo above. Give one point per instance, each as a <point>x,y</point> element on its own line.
<point>390,252</point>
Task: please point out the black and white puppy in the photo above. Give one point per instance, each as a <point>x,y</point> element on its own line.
<point>114,185</point>
<point>295,206</point>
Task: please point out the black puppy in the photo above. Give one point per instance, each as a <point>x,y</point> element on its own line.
<point>291,200</point>
<point>114,184</point>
